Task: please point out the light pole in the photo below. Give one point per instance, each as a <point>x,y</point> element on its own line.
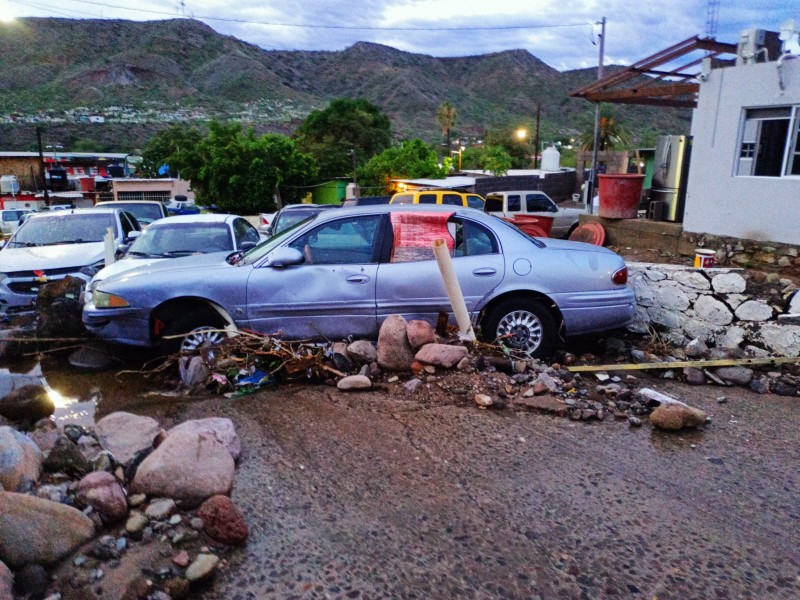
<point>593,180</point>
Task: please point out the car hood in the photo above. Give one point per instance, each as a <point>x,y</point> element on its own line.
<point>160,267</point>
<point>125,264</point>
<point>61,256</point>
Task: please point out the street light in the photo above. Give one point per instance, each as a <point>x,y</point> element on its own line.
<point>522,133</point>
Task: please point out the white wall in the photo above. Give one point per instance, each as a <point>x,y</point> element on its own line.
<point>757,208</point>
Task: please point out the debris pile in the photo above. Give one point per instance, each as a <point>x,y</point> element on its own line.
<point>124,506</point>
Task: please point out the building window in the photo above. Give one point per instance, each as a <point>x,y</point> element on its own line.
<point>770,142</point>
<point>152,196</point>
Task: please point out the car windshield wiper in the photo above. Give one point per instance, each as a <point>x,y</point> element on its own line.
<point>64,242</point>
<point>24,244</point>
<point>177,252</point>
<point>148,254</point>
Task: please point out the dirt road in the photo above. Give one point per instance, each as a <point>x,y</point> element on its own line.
<point>376,495</point>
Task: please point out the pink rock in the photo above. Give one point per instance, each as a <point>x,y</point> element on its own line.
<point>222,521</point>
<point>442,355</point>
<point>394,351</point>
<point>125,435</point>
<point>181,558</point>
<point>221,428</point>
<point>188,466</point>
<point>20,461</point>
<point>103,492</point>
<point>420,333</point>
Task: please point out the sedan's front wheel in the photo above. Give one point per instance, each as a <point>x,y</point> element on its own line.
<point>196,331</point>
<point>523,325</point>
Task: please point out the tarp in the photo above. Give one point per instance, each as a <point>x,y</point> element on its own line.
<point>414,233</point>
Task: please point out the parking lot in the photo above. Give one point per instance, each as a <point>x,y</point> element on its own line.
<point>375,495</point>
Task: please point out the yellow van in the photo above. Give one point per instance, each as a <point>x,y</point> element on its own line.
<point>438,197</point>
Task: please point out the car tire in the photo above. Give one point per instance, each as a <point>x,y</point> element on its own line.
<point>522,324</point>
<point>200,329</point>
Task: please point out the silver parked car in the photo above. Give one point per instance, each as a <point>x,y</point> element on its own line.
<point>342,272</point>
<point>49,246</point>
<point>10,219</point>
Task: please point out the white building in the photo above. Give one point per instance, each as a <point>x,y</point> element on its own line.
<point>744,178</point>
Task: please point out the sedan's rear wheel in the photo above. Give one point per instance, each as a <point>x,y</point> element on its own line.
<point>523,325</point>
<point>196,331</point>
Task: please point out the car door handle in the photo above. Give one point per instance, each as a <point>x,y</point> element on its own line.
<point>358,279</point>
<point>484,272</point>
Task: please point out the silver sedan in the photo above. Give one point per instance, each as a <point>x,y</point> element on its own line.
<point>342,272</point>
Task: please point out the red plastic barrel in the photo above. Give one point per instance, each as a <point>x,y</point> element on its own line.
<point>545,224</point>
<point>619,195</point>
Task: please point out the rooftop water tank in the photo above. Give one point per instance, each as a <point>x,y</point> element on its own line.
<point>9,184</point>
<point>551,159</point>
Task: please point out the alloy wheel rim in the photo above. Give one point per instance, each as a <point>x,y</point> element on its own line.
<point>199,336</point>
<point>521,330</point>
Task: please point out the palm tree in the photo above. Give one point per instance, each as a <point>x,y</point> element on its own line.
<point>611,135</point>
<point>446,116</point>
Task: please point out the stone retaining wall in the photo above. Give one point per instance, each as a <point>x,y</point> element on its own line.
<point>722,307</point>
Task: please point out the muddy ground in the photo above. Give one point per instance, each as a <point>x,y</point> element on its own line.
<point>390,495</point>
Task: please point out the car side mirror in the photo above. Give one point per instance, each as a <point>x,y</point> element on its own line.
<point>269,230</point>
<point>132,236</point>
<point>285,257</point>
<point>244,246</point>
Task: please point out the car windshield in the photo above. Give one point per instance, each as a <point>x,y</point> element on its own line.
<point>251,256</point>
<point>503,223</point>
<point>65,228</point>
<point>144,213</point>
<point>167,240</point>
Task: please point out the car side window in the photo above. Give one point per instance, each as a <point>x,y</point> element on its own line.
<point>452,199</point>
<point>474,201</point>
<point>473,239</point>
<point>127,226</point>
<point>346,241</point>
<point>427,199</point>
<point>514,202</point>
<point>539,203</point>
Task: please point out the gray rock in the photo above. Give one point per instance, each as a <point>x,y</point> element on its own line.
<point>353,383</point>
<point>66,457</point>
<point>735,375</point>
<point>363,352</point>
<point>782,340</point>
<point>691,279</point>
<point>6,582</point>
<point>754,310</point>
<point>161,509</point>
<point>441,355</point>
<point>729,283</point>
<point>394,351</point>
<point>188,466</point>
<point>39,531</point>
<point>671,297</point>
<point>125,435</point>
<point>27,403</point>
<point>20,461</point>
<point>731,338</point>
<point>412,384</point>
<point>221,428</point>
<point>550,383</point>
<point>695,348</point>
<point>202,567</point>
<point>712,311</point>
<point>694,376</point>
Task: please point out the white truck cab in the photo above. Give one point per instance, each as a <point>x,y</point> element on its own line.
<point>533,203</point>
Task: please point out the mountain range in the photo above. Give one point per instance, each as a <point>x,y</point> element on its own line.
<point>140,76</point>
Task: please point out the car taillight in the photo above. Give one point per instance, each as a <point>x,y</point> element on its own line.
<point>264,221</point>
<point>620,277</point>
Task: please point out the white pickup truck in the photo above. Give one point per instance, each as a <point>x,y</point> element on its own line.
<point>533,203</point>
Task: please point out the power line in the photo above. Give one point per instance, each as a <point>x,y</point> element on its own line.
<point>43,7</point>
<point>332,27</point>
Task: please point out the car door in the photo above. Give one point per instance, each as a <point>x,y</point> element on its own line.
<point>331,294</point>
<point>415,289</point>
<point>539,203</point>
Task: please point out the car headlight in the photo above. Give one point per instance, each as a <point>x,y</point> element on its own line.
<point>106,300</point>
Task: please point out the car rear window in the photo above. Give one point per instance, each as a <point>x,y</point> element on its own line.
<point>403,199</point>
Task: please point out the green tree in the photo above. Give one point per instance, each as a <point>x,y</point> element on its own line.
<point>410,160</point>
<point>241,172</point>
<point>494,159</point>
<point>611,135</point>
<point>345,127</point>
<point>518,150</point>
<point>175,146</point>
<point>446,116</point>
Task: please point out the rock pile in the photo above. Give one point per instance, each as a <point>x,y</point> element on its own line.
<point>116,503</point>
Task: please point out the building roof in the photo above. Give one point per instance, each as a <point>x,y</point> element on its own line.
<point>447,182</point>
<point>67,155</point>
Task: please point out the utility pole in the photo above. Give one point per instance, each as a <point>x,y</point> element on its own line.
<point>593,177</point>
<point>536,140</point>
<point>42,173</point>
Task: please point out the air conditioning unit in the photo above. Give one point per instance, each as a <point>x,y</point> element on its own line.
<point>757,46</point>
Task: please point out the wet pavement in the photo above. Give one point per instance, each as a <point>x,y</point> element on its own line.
<point>377,495</point>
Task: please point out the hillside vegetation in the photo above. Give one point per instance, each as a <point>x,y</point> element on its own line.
<point>155,69</point>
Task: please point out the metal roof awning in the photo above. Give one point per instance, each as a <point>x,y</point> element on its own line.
<point>646,83</point>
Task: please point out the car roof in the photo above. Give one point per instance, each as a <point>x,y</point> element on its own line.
<point>379,209</point>
<point>199,218</point>
<point>81,211</point>
<point>309,206</point>
<point>111,203</point>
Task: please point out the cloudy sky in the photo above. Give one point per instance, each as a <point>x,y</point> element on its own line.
<point>562,33</point>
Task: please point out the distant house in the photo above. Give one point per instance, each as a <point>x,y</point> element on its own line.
<point>97,119</point>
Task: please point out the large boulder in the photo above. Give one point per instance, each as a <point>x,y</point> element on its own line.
<point>222,521</point>
<point>188,466</point>
<point>362,352</point>
<point>59,306</point>
<point>441,355</point>
<point>20,460</point>
<point>103,492</point>
<point>419,333</point>
<point>220,428</point>
<point>125,435</point>
<point>673,417</point>
<point>27,403</point>
<point>6,582</point>
<point>33,530</point>
<point>394,351</point>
